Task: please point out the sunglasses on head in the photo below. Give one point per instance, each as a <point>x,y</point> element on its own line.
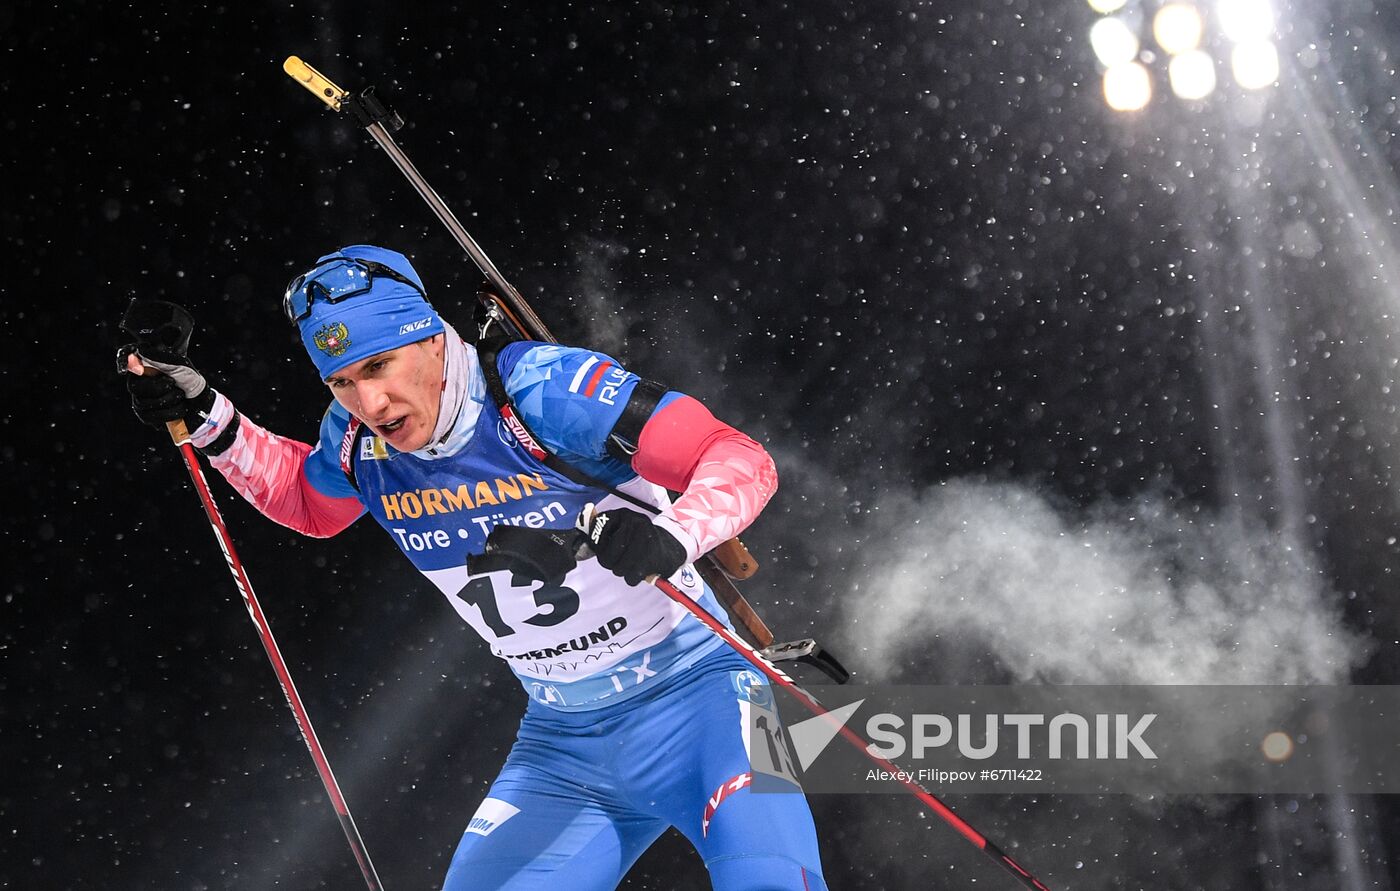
<point>336,280</point>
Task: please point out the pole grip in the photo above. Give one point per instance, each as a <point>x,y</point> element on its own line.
<point>178,432</point>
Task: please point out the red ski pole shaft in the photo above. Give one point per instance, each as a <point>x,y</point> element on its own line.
<point>181,438</point>
<point>807,699</point>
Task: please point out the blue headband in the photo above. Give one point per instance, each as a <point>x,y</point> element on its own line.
<point>386,316</point>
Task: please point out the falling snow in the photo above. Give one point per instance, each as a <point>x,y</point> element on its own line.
<point>1021,359</point>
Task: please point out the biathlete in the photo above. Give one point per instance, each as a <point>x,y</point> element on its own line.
<point>636,714</point>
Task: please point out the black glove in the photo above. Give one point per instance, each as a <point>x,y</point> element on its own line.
<point>162,331</point>
<point>632,546</point>
<point>177,392</point>
<point>540,554</point>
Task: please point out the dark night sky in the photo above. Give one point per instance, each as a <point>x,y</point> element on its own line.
<point>902,244</point>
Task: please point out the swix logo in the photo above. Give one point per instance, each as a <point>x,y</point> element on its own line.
<point>415,326</point>
<point>347,444</point>
<point>723,792</point>
<point>237,576</point>
<point>596,533</point>
<point>522,435</point>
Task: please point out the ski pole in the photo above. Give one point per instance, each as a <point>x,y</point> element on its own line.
<point>807,699</point>
<point>776,675</point>
<point>180,436</point>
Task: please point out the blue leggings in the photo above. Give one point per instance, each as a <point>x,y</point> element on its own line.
<point>583,794</point>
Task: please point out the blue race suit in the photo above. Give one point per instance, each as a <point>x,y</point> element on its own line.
<point>636,720</point>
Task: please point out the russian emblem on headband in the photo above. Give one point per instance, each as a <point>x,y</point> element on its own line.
<point>333,339</point>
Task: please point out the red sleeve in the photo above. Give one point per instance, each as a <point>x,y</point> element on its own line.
<point>724,477</point>
<point>270,472</point>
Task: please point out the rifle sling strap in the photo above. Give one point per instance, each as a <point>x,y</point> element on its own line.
<point>487,352</point>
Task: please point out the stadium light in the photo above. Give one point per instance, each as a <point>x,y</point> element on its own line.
<point>1113,42</point>
<point>1177,28</point>
<point>1192,74</point>
<point>1244,21</point>
<point>1127,87</point>
<point>1105,7</point>
<point>1255,64</point>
